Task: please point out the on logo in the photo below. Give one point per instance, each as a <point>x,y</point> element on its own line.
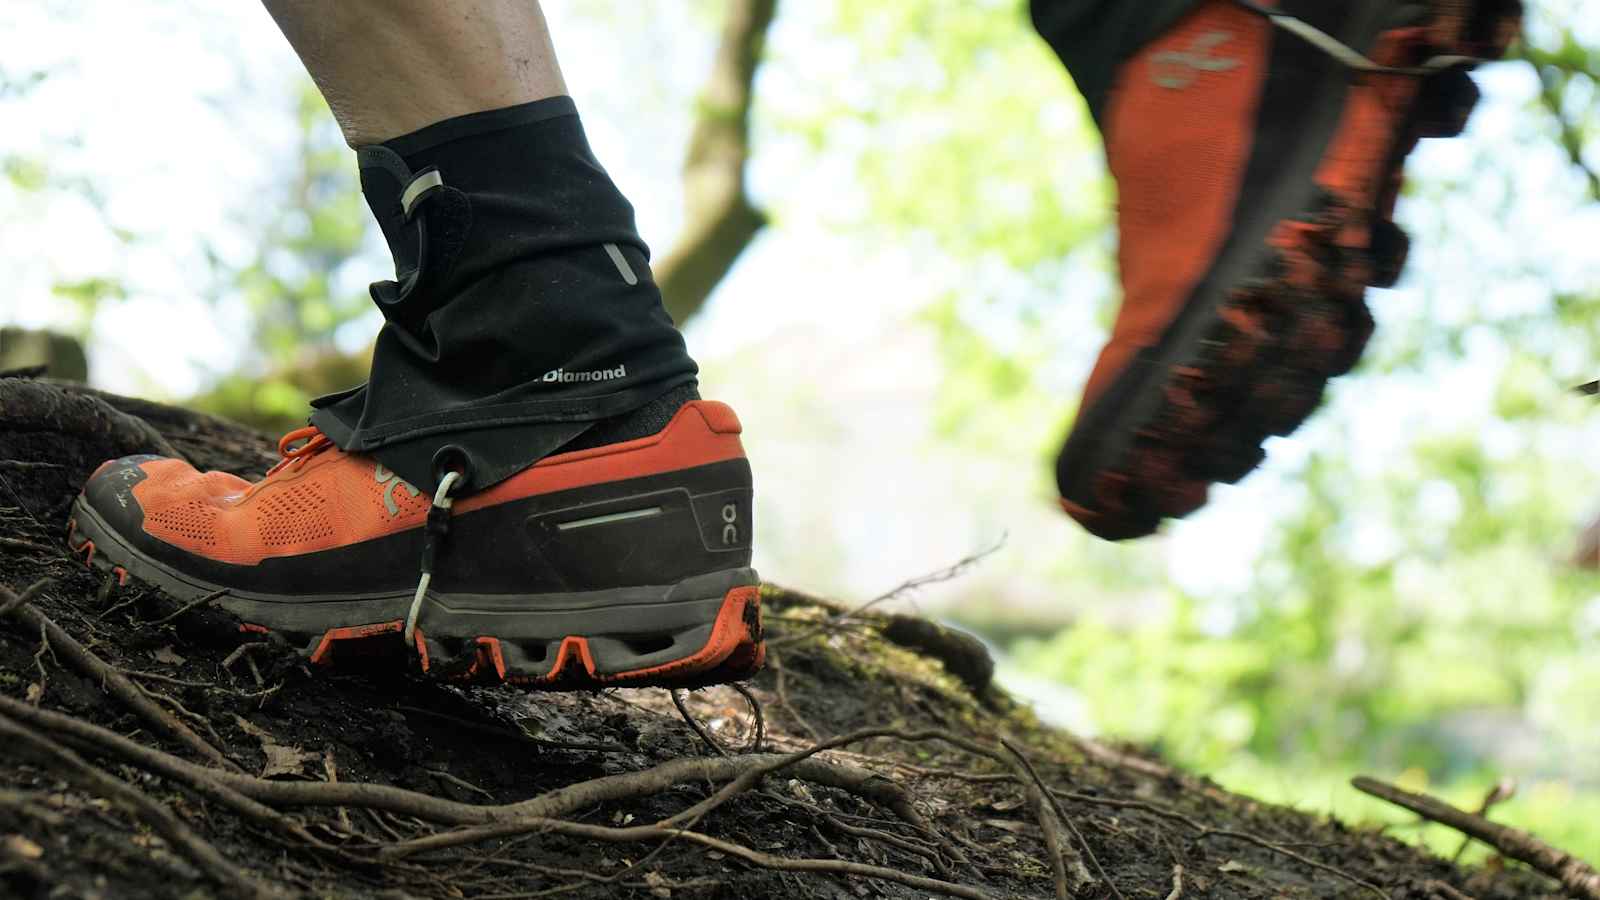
<point>389,480</point>
<point>1177,69</point>
<point>730,526</point>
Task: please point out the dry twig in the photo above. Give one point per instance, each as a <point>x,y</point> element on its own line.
<point>1061,814</point>
<point>910,585</point>
<point>1177,883</point>
<point>191,606</point>
<point>677,700</point>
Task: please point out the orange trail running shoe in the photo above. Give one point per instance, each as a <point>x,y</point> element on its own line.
<point>1258,153</point>
<point>621,565</point>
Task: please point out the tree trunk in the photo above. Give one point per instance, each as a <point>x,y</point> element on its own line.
<point>719,218</point>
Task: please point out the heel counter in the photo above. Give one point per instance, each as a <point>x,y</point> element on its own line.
<point>718,416</point>
<point>654,530</point>
<point>727,516</point>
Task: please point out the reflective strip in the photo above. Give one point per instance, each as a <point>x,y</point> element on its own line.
<point>621,262</point>
<point>418,186</point>
<point>608,519</point>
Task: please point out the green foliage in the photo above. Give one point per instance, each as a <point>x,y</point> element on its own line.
<point>1411,610</point>
<point>88,293</point>
<point>312,232</point>
<point>290,286</point>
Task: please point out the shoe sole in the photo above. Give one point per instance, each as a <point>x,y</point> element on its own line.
<point>1282,310</point>
<point>704,630</point>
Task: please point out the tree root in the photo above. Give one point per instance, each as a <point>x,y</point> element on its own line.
<point>109,677</point>
<point>54,756</point>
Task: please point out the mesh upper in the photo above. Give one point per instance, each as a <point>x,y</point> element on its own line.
<point>330,500</point>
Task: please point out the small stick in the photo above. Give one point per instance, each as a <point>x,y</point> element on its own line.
<point>189,607</point>
<point>456,780</point>
<point>1443,889</point>
<point>776,665</point>
<point>1177,884</point>
<point>760,724</point>
<point>1052,842</point>
<point>1576,876</point>
<point>241,651</point>
<point>910,585</point>
<point>1061,814</point>
<point>25,544</point>
<point>1503,790</point>
<point>38,662</point>
<point>16,600</point>
<point>331,769</point>
<point>677,700</point>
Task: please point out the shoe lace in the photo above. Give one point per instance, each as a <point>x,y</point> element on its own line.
<point>296,456</point>
<point>434,532</point>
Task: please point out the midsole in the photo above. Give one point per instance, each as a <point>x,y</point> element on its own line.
<point>622,611</point>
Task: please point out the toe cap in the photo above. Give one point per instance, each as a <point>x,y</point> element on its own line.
<point>109,491</point>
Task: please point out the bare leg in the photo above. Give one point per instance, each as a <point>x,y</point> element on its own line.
<point>389,67</point>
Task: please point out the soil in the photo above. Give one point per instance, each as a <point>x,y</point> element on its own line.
<point>971,824</point>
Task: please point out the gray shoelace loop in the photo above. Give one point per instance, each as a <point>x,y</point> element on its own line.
<point>1346,55</point>
<point>433,535</point>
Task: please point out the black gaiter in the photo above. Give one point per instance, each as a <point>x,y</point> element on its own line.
<point>523,309</point>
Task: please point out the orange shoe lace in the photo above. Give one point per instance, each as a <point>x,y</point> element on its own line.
<point>315,442</point>
<point>435,528</point>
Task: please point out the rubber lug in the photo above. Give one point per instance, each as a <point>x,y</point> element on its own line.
<point>1390,249</point>
<point>1445,103</point>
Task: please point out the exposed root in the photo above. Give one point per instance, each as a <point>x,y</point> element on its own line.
<point>112,680</point>
<point>1061,815</point>
<point>69,765</point>
<point>1575,876</point>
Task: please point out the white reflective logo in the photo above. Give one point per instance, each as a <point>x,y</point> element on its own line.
<point>390,480</point>
<point>1177,69</point>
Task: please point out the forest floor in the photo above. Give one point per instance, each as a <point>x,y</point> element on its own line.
<point>143,753</point>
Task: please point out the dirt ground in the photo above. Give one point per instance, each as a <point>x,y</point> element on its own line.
<point>181,766</point>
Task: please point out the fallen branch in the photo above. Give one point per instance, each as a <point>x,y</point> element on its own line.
<point>658,831</point>
<point>1576,876</point>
